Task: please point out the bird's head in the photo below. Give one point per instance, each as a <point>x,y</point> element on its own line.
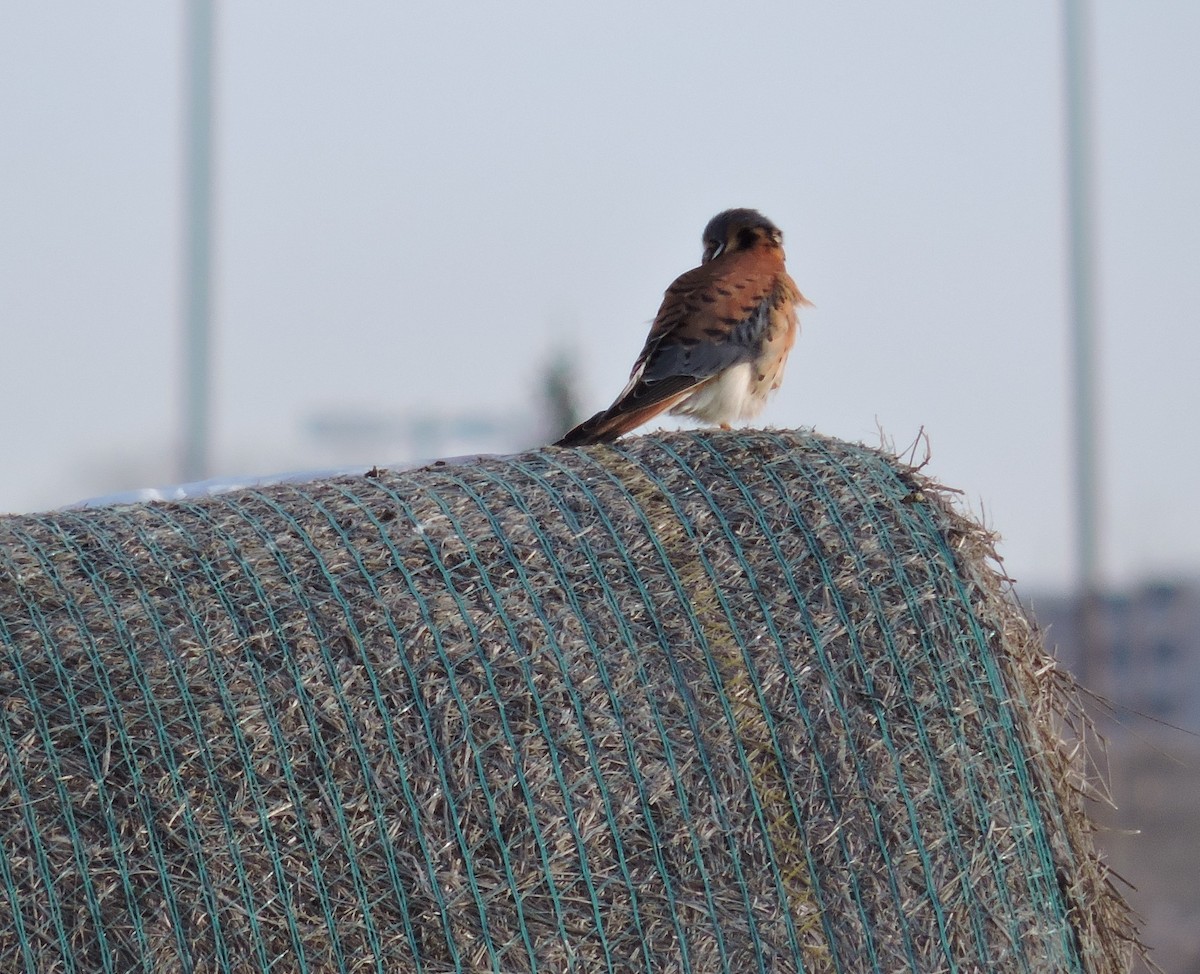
<point>736,230</point>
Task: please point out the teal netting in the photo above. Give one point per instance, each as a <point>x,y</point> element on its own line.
<point>696,702</point>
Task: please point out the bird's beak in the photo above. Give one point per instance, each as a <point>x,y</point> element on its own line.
<point>714,253</point>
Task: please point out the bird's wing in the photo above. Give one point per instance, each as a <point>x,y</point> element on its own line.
<point>711,318</point>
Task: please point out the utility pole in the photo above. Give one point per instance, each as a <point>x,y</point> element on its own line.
<point>197,244</point>
<point>1081,270</point>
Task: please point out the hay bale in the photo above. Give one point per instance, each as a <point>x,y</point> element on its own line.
<point>740,702</point>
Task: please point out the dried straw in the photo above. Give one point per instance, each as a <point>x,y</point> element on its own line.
<point>748,702</point>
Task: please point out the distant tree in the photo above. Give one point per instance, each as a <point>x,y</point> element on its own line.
<point>559,393</point>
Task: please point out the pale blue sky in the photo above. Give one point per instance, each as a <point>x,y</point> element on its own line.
<point>417,205</point>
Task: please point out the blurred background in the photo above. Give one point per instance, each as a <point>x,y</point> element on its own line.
<point>237,240</point>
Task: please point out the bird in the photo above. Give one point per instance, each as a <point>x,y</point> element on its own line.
<point>718,345</point>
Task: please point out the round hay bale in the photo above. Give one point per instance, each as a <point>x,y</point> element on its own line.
<point>742,702</point>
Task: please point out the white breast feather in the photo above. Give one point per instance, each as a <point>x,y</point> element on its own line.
<point>729,397</point>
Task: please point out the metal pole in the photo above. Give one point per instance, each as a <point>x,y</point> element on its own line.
<point>1080,213</point>
<point>197,249</point>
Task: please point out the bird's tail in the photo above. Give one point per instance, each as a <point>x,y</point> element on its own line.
<point>616,421</point>
<point>599,429</point>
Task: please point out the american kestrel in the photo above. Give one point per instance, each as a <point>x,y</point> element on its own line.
<point>719,342</point>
